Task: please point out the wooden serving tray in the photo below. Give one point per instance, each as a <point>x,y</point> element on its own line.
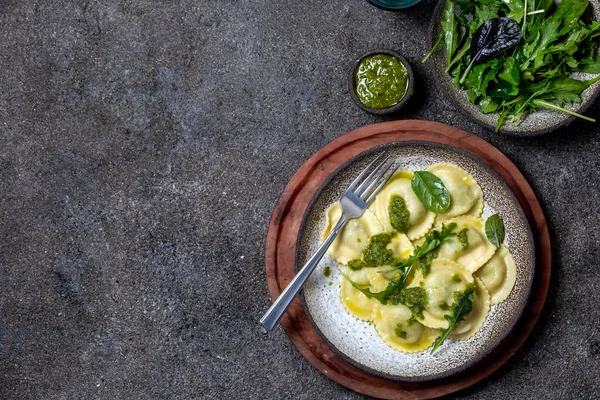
<point>283,233</point>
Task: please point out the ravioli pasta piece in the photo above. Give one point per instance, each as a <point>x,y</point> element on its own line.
<point>402,248</point>
<point>360,277</point>
<point>475,211</point>
<point>356,303</point>
<point>420,218</point>
<point>479,249</point>
<point>499,274</point>
<point>414,336</point>
<point>353,237</point>
<point>476,318</point>
<point>445,277</point>
<point>465,192</point>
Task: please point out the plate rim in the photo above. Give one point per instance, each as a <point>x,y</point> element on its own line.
<point>278,248</point>
<point>530,278</point>
<point>432,30</point>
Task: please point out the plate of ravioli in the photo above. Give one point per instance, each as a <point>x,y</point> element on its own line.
<point>434,274</point>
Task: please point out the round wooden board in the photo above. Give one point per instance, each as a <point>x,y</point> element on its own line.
<point>285,224</point>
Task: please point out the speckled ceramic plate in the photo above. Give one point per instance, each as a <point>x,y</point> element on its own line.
<point>537,123</point>
<point>357,340</point>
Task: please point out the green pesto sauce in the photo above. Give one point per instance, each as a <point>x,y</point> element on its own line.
<point>327,271</point>
<point>330,283</point>
<point>358,240</point>
<point>424,263</point>
<point>444,306</point>
<point>463,239</point>
<point>415,298</point>
<point>355,265</point>
<point>456,278</point>
<point>399,330</point>
<point>399,214</point>
<point>376,252</point>
<point>380,81</point>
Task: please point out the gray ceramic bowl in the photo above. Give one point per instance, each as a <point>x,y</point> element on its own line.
<point>396,107</point>
<point>538,123</point>
<point>357,340</point>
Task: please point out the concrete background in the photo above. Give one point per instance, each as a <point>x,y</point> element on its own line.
<point>144,145</point>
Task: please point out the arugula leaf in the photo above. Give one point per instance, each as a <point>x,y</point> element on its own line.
<point>516,8</point>
<point>431,191</point>
<point>450,30</point>
<point>591,66</point>
<point>433,240</point>
<point>461,307</point>
<point>433,49</point>
<point>510,72</point>
<point>393,287</point>
<point>494,230</point>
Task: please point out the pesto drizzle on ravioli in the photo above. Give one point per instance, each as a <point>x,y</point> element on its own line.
<point>463,239</point>
<point>375,253</point>
<point>399,214</point>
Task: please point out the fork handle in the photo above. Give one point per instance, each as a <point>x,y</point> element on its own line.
<point>273,315</point>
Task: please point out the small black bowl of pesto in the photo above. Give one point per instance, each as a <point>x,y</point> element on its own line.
<point>381,82</point>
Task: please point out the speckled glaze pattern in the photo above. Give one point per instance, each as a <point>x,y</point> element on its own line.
<point>537,123</point>
<point>357,340</point>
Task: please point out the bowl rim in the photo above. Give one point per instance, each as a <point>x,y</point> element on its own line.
<point>409,89</point>
<point>382,7</point>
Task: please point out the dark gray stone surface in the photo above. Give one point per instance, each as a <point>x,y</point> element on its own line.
<point>144,145</point>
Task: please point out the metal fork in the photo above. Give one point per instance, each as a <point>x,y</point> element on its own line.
<point>354,202</point>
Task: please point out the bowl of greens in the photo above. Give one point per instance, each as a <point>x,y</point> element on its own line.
<point>519,67</point>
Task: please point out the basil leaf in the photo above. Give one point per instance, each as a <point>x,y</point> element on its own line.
<point>494,230</point>
<point>431,191</point>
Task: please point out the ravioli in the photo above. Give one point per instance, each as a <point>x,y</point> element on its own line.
<point>402,248</point>
<point>475,319</point>
<point>414,336</point>
<point>499,274</point>
<point>465,193</point>
<point>445,277</point>
<point>479,249</point>
<point>420,218</point>
<point>475,211</point>
<point>356,303</point>
<point>353,237</point>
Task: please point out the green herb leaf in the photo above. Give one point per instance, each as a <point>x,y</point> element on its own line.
<point>494,230</point>
<point>433,240</point>
<point>431,191</point>
<point>461,307</point>
<point>392,288</point>
<point>450,33</point>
